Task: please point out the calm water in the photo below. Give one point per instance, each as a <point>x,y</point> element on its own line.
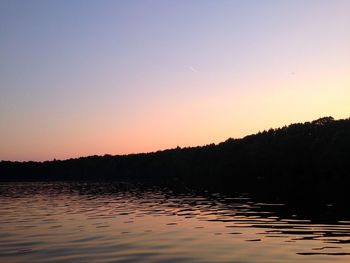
<point>59,222</point>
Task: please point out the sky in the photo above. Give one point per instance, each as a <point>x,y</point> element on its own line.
<point>81,78</point>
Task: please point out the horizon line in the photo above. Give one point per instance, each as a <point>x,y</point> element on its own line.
<point>168,149</point>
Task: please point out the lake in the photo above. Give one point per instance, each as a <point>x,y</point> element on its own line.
<point>119,222</point>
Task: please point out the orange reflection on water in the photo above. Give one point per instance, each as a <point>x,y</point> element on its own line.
<point>103,222</point>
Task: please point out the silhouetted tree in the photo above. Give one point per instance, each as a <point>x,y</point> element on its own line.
<point>293,159</point>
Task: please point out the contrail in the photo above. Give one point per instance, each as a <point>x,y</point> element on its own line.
<point>192,69</point>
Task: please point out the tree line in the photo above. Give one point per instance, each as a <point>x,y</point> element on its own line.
<point>299,158</point>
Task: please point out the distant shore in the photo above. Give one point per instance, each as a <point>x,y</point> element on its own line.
<point>312,156</point>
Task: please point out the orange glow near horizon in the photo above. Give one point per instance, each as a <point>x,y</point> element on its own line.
<point>203,119</point>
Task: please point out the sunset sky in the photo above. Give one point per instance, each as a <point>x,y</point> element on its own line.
<point>87,77</point>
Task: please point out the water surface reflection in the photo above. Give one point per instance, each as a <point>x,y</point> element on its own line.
<point>103,222</point>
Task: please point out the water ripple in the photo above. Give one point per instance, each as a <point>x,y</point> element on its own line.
<point>60,222</point>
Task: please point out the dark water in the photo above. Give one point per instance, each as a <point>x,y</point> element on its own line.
<point>65,222</point>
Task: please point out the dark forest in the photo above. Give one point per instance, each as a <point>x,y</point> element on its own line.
<point>311,158</point>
